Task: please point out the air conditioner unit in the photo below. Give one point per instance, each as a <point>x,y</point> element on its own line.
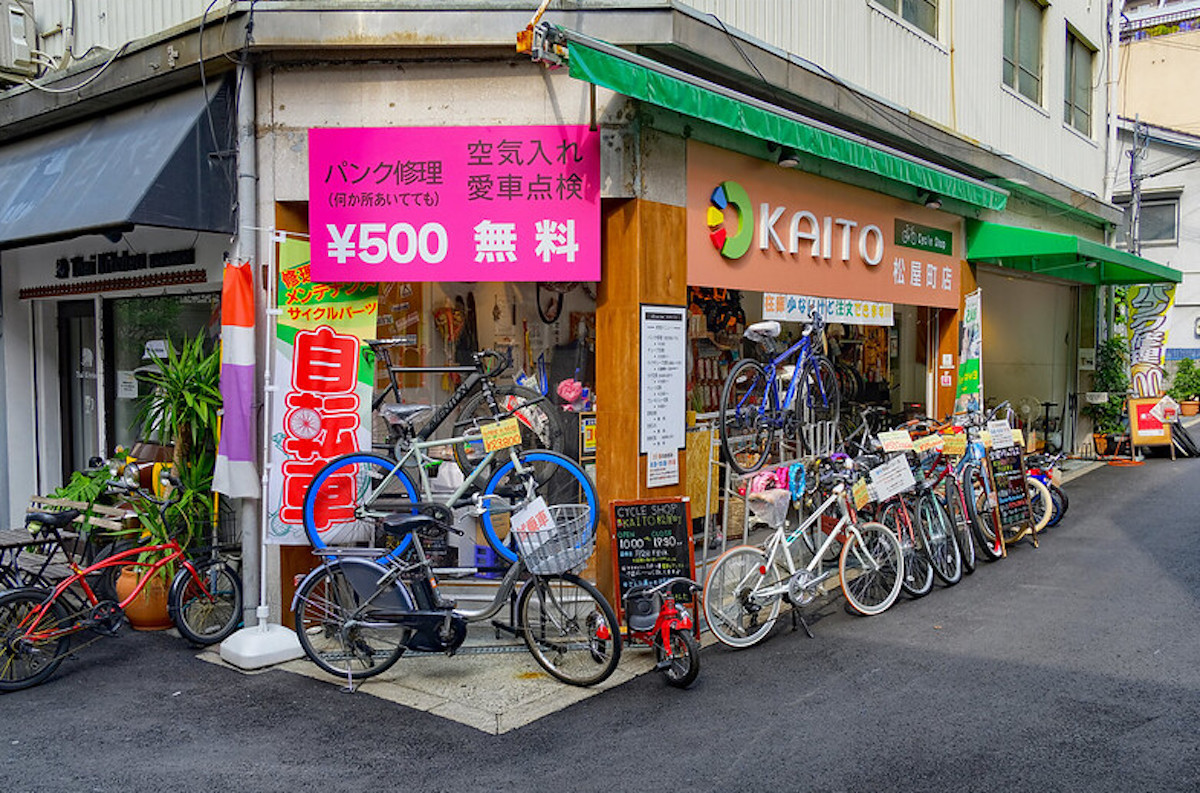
<point>18,39</point>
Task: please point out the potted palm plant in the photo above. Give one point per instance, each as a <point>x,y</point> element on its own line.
<point>181,409</point>
<point>1112,380</point>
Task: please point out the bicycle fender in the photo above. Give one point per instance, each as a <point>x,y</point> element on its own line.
<point>364,576</point>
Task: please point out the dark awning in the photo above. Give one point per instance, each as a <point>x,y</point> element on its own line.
<point>152,165</point>
<point>1062,256</point>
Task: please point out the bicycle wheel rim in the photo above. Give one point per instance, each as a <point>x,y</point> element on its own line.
<point>206,617</point>
<point>334,639</point>
<point>871,568</point>
<point>745,420</point>
<point>26,664</point>
<point>569,628</point>
<point>938,539</point>
<point>732,613</point>
<point>336,505</point>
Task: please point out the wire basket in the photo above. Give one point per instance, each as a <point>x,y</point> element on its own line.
<point>563,547</point>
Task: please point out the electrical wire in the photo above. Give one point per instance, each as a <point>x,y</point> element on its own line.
<point>116,54</point>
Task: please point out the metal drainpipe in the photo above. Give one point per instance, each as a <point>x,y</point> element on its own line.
<point>245,250</point>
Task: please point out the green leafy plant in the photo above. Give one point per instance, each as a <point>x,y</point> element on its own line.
<point>181,408</point>
<point>1185,384</point>
<point>1111,375</point>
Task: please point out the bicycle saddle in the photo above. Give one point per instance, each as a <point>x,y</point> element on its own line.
<point>394,413</point>
<point>761,331</point>
<point>399,524</point>
<point>58,520</point>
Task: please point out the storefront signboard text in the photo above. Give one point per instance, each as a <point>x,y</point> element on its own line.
<point>455,203</point>
<point>799,308</point>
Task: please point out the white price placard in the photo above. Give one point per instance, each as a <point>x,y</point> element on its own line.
<point>892,478</point>
<point>1001,434</point>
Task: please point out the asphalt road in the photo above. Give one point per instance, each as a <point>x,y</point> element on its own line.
<point>1072,667</point>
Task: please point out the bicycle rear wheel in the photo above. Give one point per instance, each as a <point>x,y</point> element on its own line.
<point>871,568</point>
<point>746,419</point>
<point>206,618</point>
<point>1059,499</point>
<point>538,419</point>
<point>736,612</point>
<point>335,631</point>
<point>349,498</point>
<point>25,662</point>
<point>937,536</point>
<point>569,628</point>
<point>960,521</point>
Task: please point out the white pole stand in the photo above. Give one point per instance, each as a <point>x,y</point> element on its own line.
<point>264,644</point>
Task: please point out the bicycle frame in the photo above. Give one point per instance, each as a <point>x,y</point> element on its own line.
<point>801,350</point>
<point>122,559</point>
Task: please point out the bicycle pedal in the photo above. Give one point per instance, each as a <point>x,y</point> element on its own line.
<point>662,665</point>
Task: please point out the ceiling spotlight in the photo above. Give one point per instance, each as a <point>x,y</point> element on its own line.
<point>785,156</point>
<point>930,200</point>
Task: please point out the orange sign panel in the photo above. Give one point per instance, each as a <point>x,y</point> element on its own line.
<point>753,225</point>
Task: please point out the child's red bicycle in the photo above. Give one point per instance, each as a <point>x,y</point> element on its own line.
<point>654,618</point>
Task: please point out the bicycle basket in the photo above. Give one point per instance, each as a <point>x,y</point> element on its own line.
<point>562,547</point>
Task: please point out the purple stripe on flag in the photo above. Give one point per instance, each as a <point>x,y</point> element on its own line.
<point>237,428</point>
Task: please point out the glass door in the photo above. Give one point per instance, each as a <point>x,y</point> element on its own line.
<point>78,375</point>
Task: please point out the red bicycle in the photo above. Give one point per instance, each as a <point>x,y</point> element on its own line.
<point>37,623</point>
<point>655,619</point>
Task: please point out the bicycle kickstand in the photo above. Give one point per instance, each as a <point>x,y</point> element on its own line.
<point>798,619</point>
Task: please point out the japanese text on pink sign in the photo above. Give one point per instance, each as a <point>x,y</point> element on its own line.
<point>455,204</point>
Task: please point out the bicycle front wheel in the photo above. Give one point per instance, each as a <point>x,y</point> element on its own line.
<point>349,498</point>
<point>337,634</point>
<point>960,521</point>
<point>871,568</point>
<point>682,664</point>
<point>525,476</point>
<point>538,419</point>
<point>25,659</point>
<point>742,596</point>
<point>983,517</point>
<point>569,628</point>
<point>937,536</point>
<point>917,580</point>
<point>746,418</point>
<point>819,405</point>
<point>206,607</point>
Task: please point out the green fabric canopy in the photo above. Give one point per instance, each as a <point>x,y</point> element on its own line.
<point>1061,255</point>
<point>656,84</point>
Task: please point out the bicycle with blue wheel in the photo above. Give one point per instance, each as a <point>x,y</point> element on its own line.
<point>364,607</point>
<point>799,400</point>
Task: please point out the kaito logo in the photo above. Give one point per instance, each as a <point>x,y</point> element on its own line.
<point>731,198</point>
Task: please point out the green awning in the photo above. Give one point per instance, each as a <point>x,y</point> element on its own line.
<point>1062,256</point>
<point>650,81</point>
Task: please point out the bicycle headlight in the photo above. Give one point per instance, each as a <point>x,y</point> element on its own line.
<point>132,475</point>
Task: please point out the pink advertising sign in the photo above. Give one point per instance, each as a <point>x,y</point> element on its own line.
<point>454,204</point>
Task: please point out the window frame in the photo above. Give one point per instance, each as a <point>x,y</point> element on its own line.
<point>1071,110</point>
<point>1121,239</point>
<point>1012,68</point>
<point>897,8</point>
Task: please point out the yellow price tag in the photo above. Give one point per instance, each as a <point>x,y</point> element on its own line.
<point>1018,437</point>
<point>501,435</point>
<point>955,444</point>
<point>895,441</point>
<point>985,438</point>
<point>862,496</point>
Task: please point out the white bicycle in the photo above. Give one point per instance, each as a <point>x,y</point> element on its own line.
<point>747,585</point>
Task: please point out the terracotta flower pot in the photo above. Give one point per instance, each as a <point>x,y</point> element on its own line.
<point>1189,407</point>
<point>1101,442</point>
<point>148,611</point>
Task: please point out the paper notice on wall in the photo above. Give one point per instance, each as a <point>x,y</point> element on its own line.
<point>127,387</point>
<point>662,468</point>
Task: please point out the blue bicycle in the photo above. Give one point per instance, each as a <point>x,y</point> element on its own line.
<point>752,408</point>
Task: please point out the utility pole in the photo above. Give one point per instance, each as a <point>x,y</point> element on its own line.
<point>1136,154</point>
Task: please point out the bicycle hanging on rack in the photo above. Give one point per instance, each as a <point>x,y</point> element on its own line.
<point>752,409</point>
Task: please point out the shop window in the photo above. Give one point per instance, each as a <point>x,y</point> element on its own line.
<point>921,14</point>
<point>1023,48</point>
<point>1077,95</point>
<point>134,327</point>
<point>1158,221</point>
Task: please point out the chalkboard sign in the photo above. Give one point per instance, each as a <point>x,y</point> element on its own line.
<point>652,541</point>
<point>1007,467</point>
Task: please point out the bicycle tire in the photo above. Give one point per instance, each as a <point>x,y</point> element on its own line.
<point>553,308</point>
<point>682,666</point>
<point>871,568</point>
<point>24,664</point>
<point>327,510</point>
<point>983,517</point>
<point>569,628</point>
<point>731,615</point>
<point>206,619</point>
<point>1041,504</point>
<point>509,490</point>
<point>1059,499</point>
<point>917,580</point>
<point>818,398</point>
<point>938,537</point>
<point>745,431</point>
<point>539,421</point>
<point>344,647</point>
<point>956,510</point>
